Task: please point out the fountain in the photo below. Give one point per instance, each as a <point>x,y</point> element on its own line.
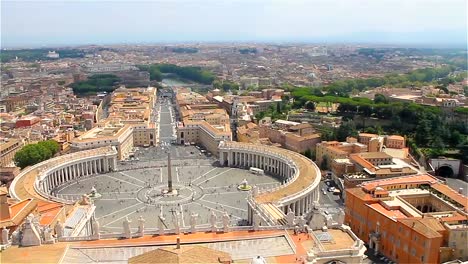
<point>244,186</point>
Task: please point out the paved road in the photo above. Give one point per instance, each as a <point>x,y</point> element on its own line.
<point>166,124</point>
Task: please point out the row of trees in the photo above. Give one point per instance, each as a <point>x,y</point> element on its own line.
<point>184,50</point>
<point>38,54</point>
<point>279,111</point>
<point>225,85</point>
<point>191,73</point>
<point>345,87</point>
<point>96,83</point>
<point>34,153</point>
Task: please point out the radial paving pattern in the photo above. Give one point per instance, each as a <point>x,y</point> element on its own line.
<point>200,188</point>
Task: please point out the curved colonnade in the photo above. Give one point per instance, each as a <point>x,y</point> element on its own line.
<point>298,192</point>
<point>299,175</point>
<point>38,181</point>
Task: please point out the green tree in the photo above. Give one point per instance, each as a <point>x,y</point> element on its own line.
<point>380,99</point>
<point>325,163</point>
<point>34,153</point>
<point>308,154</point>
<point>347,129</point>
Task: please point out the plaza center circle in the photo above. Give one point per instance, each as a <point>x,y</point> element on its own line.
<point>138,189</point>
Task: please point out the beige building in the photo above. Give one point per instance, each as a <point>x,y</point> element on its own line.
<point>337,150</point>
<point>203,124</point>
<point>295,136</point>
<point>135,107</point>
<point>118,135</point>
<point>8,150</point>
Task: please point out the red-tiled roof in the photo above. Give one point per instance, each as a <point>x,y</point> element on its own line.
<point>452,194</point>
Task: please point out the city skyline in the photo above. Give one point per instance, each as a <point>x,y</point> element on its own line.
<point>55,23</point>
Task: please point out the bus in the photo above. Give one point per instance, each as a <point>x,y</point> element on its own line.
<point>256,171</point>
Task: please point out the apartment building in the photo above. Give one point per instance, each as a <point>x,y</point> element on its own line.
<point>410,219</point>
<point>203,124</point>
<point>291,135</point>
<point>109,134</point>
<point>374,165</point>
<point>337,150</point>
<point>135,107</point>
<point>8,150</point>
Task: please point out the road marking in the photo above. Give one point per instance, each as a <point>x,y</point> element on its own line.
<point>106,199</point>
<point>215,176</point>
<point>113,221</point>
<point>160,176</point>
<point>177,174</point>
<point>110,193</point>
<point>124,174</point>
<point>118,211</point>
<point>203,175</point>
<point>182,215</point>
<point>266,183</point>
<point>123,181</point>
<point>224,205</point>
<point>222,192</point>
<point>203,206</point>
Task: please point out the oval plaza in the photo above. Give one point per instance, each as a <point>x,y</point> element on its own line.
<point>297,174</point>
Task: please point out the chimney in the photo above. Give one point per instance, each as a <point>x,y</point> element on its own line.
<point>178,243</point>
<point>460,190</point>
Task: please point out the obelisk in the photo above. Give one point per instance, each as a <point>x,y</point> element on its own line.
<point>169,173</point>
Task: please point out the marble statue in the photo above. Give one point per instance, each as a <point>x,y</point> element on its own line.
<point>255,191</point>
<point>16,237</point>
<point>193,222</point>
<point>59,229</point>
<point>176,221</point>
<point>290,218</point>
<point>30,235</point>
<point>256,222</point>
<point>93,190</point>
<point>329,220</point>
<point>161,225</point>
<point>47,236</point>
<point>126,228</point>
<point>213,221</point>
<point>84,200</point>
<point>317,221</point>
<point>301,222</point>
<point>226,221</point>
<point>244,183</point>
<point>96,228</point>
<point>141,225</point>
<point>341,217</point>
<point>5,240</point>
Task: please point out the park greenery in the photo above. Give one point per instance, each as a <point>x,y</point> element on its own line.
<point>225,86</point>
<point>184,50</point>
<point>34,153</point>
<point>426,126</point>
<point>37,54</point>
<point>454,56</point>
<point>275,112</point>
<point>412,79</point>
<point>248,51</point>
<point>191,73</point>
<point>96,83</point>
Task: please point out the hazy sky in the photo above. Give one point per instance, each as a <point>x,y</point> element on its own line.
<point>35,23</point>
